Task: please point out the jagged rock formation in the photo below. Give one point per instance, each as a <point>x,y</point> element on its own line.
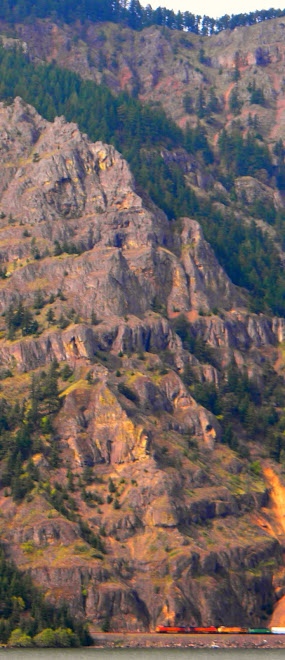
<point>183,541</point>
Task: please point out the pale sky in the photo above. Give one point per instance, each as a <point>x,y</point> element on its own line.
<point>213,9</point>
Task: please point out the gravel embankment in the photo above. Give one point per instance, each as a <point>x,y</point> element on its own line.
<point>154,640</point>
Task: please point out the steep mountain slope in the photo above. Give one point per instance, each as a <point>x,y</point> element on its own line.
<point>174,68</point>
<point>142,399</point>
<point>120,491</point>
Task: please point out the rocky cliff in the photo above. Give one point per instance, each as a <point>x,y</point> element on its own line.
<point>185,525</point>
<point>170,67</point>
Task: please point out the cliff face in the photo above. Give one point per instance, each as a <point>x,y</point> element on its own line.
<point>164,66</point>
<point>181,515</point>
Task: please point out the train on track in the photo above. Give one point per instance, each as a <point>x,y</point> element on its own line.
<point>208,630</point>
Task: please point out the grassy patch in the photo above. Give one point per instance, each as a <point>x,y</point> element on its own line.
<point>80,384</point>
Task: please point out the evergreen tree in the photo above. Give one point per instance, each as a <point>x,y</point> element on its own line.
<point>51,394</point>
<point>234,102</point>
<point>201,106</point>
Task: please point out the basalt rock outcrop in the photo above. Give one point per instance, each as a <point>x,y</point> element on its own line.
<point>107,278</point>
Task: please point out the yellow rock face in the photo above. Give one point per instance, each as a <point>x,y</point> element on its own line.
<point>124,439</point>
<point>161,513</point>
<point>104,160</point>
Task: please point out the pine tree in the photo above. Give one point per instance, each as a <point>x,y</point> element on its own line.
<point>39,300</point>
<point>50,316</point>
<point>188,103</point>
<point>51,394</point>
<point>201,106</point>
<point>70,481</point>
<point>234,102</point>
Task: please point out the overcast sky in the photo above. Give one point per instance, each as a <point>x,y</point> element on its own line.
<point>213,9</point>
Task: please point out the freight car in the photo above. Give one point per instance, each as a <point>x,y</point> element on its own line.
<point>234,630</point>
<point>171,629</point>
<point>207,630</point>
<point>259,631</point>
<point>202,629</point>
<point>277,631</point>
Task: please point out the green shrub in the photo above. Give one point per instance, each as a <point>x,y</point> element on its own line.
<point>46,638</point>
<point>255,467</point>
<point>20,639</point>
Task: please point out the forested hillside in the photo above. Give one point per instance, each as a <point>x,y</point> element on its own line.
<point>132,14</point>
<point>27,620</point>
<point>140,132</point>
